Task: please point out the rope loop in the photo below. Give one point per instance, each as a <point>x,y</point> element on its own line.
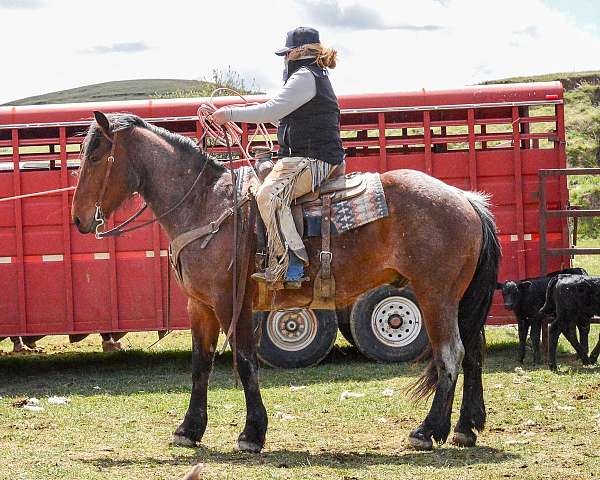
<point>230,132</point>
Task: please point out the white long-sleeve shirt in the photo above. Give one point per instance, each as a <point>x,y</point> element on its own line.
<point>299,89</point>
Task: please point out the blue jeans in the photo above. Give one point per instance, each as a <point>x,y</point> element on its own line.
<point>295,270</point>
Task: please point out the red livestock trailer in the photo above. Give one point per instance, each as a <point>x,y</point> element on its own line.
<point>56,281</point>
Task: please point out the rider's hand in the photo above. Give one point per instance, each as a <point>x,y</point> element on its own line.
<point>221,116</point>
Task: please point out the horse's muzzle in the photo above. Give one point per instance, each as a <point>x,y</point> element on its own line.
<point>83,227</point>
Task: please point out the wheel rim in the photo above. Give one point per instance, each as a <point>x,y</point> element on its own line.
<point>292,330</point>
<point>396,321</point>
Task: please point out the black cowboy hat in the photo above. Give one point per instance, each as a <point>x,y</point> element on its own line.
<point>298,37</point>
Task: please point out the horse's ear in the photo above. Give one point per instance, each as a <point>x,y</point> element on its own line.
<point>103,122</point>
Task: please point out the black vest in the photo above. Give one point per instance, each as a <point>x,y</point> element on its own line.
<point>313,129</point>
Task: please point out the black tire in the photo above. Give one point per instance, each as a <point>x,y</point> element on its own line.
<point>387,325</point>
<point>343,318</point>
<point>295,338</point>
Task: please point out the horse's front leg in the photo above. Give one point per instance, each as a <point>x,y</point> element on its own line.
<point>205,331</point>
<point>252,438</point>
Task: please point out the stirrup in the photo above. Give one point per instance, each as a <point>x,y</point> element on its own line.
<point>262,277</point>
<point>295,284</point>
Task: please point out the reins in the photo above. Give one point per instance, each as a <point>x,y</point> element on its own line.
<point>228,134</point>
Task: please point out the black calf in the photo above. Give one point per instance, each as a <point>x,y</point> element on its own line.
<point>574,300</point>
<point>525,298</point>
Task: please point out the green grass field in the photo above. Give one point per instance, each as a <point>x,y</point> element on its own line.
<point>124,406</point>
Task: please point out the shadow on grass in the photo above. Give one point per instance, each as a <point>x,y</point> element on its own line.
<point>284,458</point>
<point>126,372</point>
<point>131,371</point>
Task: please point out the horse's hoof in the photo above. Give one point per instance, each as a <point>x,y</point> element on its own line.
<point>181,441</point>
<point>420,443</point>
<point>246,446</point>
<point>464,439</point>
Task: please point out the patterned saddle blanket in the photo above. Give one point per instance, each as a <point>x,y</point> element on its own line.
<point>349,212</point>
<point>356,200</point>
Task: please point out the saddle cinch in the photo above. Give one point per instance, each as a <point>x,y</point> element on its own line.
<point>337,188</point>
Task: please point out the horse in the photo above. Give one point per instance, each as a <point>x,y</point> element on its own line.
<point>439,238</point>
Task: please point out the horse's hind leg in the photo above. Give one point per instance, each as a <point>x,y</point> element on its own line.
<point>441,320</point>
<point>472,410</point>
<point>205,331</point>
<point>252,438</point>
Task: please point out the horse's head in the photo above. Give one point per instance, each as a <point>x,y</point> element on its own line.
<point>106,176</point>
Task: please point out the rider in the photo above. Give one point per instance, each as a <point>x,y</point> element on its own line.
<point>310,147</point>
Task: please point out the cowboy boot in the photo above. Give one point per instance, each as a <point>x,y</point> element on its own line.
<point>295,272</point>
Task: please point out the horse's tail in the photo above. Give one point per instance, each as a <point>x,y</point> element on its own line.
<point>477,299</point>
<point>549,308</point>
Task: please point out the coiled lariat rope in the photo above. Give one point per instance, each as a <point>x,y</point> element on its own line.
<point>230,129</point>
<point>230,135</point>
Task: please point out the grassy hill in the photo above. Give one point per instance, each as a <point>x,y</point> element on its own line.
<point>141,89</point>
<point>570,80</point>
<point>119,90</point>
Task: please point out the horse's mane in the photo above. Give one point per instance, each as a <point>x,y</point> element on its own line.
<point>124,121</point>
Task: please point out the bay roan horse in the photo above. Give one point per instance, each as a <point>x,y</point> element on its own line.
<point>439,238</point>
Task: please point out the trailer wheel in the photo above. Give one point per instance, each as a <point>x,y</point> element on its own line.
<point>296,337</point>
<point>387,325</point>
<point>343,318</point>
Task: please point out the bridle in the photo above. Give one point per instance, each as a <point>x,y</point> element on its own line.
<point>239,281</point>
<point>120,229</point>
<point>99,216</point>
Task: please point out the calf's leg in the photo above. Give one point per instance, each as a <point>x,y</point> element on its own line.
<point>553,334</point>
<point>523,329</point>
<point>536,333</point>
<point>584,333</point>
<point>571,336</point>
<point>595,352</point>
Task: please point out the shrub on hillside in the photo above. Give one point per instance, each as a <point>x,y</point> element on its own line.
<point>219,79</point>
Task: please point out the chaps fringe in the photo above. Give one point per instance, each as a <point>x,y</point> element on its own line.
<point>276,245</point>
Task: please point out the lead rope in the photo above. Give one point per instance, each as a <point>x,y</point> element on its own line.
<point>235,314</point>
<point>227,135</point>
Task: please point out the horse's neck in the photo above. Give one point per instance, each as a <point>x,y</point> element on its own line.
<point>168,176</point>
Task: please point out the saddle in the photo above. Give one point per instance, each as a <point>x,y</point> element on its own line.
<point>338,187</point>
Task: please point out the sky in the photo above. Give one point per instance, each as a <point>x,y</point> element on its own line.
<point>383,45</point>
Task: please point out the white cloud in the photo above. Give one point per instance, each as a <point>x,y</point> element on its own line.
<point>22,4</point>
<point>479,40</point>
<point>121,47</point>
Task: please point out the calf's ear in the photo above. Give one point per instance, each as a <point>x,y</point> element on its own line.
<point>524,285</point>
